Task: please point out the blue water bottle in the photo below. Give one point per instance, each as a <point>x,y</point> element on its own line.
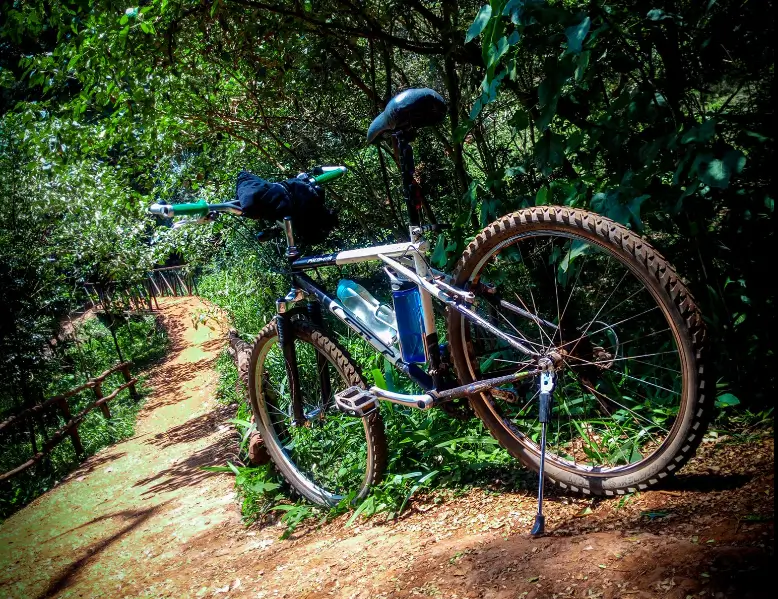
<point>410,328</point>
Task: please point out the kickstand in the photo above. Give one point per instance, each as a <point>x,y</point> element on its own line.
<point>546,400</point>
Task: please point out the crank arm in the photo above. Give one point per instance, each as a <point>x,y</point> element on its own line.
<point>433,398</point>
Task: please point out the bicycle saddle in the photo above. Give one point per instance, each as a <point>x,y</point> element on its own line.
<point>411,109</point>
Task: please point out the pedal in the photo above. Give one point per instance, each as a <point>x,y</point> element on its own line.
<point>356,401</point>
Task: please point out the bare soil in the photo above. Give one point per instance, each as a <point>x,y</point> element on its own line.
<point>141,519</point>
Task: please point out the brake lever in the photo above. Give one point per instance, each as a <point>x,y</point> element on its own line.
<point>268,234</point>
<point>208,218</point>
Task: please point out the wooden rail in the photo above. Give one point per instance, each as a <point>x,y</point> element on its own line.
<point>164,281</point>
<point>71,422</point>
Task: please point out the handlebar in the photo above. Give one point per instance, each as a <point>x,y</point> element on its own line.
<point>320,174</point>
<point>324,174</point>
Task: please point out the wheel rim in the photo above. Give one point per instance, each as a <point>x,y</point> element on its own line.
<point>331,455</point>
<point>601,368</point>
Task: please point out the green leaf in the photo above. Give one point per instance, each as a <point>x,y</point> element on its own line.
<point>481,19</point>
<point>541,198</point>
<point>514,8</point>
<point>718,172</point>
<point>378,377</point>
<point>519,120</point>
<point>582,62</point>
<point>389,376</point>
<point>262,487</point>
<point>657,14</point>
<point>633,206</point>
<point>462,130</point>
<point>439,254</point>
<point>576,35</point>
<point>727,400</point>
<point>496,52</point>
<point>700,133</point>
<point>476,110</point>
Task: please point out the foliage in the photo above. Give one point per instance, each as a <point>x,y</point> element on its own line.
<point>658,116</point>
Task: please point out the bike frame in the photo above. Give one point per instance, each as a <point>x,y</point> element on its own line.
<point>408,259</point>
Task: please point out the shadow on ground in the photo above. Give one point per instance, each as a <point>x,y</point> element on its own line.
<point>188,472</point>
<point>133,519</point>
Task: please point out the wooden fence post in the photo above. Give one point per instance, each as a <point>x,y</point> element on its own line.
<point>74,436</point>
<point>127,379</point>
<point>98,389</point>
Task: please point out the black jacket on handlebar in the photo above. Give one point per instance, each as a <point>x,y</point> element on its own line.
<point>303,201</point>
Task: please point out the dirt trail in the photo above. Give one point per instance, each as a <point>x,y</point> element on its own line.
<point>139,501</point>
<point>142,520</point>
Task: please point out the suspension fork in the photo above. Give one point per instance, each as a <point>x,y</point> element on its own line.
<point>322,364</point>
<point>286,340</point>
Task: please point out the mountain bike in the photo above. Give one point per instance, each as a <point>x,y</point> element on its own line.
<point>569,336</point>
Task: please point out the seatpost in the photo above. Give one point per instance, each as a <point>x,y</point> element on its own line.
<point>411,190</point>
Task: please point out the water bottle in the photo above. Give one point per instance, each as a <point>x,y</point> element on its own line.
<point>378,317</point>
<point>407,308</point>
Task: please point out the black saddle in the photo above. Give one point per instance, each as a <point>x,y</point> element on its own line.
<point>411,109</point>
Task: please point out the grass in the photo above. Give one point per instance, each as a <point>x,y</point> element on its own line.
<point>428,451</point>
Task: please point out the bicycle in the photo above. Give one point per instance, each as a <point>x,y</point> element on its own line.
<point>571,338</point>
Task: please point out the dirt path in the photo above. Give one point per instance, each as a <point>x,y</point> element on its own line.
<point>141,520</point>
<point>140,501</point>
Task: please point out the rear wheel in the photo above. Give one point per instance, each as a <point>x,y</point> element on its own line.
<point>332,455</point>
<point>623,334</point>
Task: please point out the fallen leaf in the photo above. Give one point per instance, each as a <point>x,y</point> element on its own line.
<point>603,566</point>
<point>584,512</point>
<point>533,579</point>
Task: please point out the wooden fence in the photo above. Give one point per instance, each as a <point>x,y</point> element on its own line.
<point>166,281</point>
<point>72,422</point>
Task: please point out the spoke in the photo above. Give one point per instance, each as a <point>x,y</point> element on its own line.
<point>531,399</point>
<point>556,297</point>
<point>527,363</point>
<point>624,301</point>
<point>569,298</point>
<point>505,318</point>
<point>635,358</point>
<point>622,344</point>
<point>596,316</point>
<point>633,412</point>
<point>610,326</point>
<point>649,383</point>
<point>534,306</point>
<point>540,329</point>
<point>585,363</point>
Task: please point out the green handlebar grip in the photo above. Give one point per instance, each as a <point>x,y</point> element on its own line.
<point>330,173</point>
<point>199,208</point>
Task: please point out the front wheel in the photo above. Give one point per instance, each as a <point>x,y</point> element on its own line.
<point>332,455</point>
<point>623,334</point>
